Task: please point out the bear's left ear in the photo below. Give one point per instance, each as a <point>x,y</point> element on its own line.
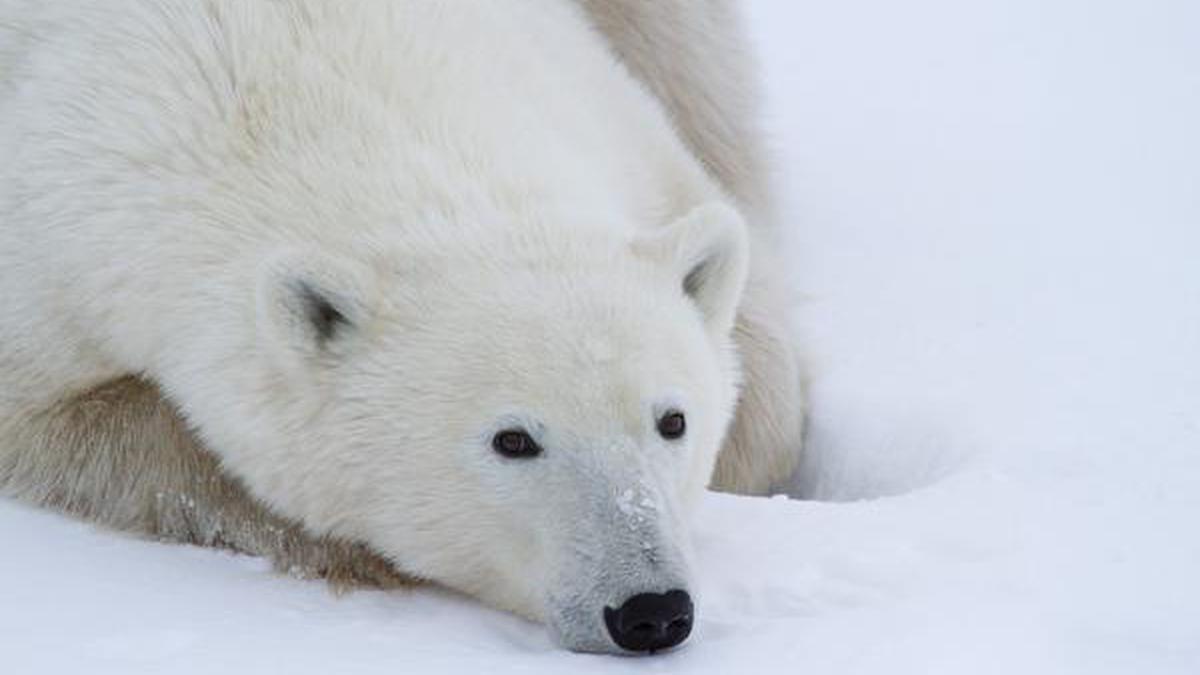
<point>709,252</point>
<point>311,306</point>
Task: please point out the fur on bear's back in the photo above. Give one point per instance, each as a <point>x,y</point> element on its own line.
<point>693,55</point>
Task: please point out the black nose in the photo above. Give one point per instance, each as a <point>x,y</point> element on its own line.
<point>648,622</point>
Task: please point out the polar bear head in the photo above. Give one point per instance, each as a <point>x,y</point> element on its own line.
<point>527,419</point>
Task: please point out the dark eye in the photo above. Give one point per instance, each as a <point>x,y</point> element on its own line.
<point>515,444</point>
<point>672,425</point>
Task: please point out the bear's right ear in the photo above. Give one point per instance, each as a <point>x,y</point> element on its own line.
<point>708,252</point>
<point>311,306</point>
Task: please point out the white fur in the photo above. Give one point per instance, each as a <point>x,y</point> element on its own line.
<point>693,55</point>
<point>499,217</point>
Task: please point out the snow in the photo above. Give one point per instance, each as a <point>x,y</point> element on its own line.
<point>996,217</point>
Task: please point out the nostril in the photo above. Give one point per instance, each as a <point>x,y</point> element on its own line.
<point>645,628</point>
<point>648,622</point>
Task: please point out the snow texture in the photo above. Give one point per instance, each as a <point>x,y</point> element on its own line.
<point>996,208</point>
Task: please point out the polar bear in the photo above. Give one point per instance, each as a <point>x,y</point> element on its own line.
<point>460,292</point>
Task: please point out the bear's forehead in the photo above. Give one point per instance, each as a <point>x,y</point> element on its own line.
<point>599,374</point>
<point>588,336</point>
<point>598,349</point>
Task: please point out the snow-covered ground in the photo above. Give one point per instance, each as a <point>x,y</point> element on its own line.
<point>996,208</point>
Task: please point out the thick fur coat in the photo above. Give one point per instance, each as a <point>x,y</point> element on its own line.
<point>349,244</point>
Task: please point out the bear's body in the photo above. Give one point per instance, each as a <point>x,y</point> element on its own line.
<point>350,242</point>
